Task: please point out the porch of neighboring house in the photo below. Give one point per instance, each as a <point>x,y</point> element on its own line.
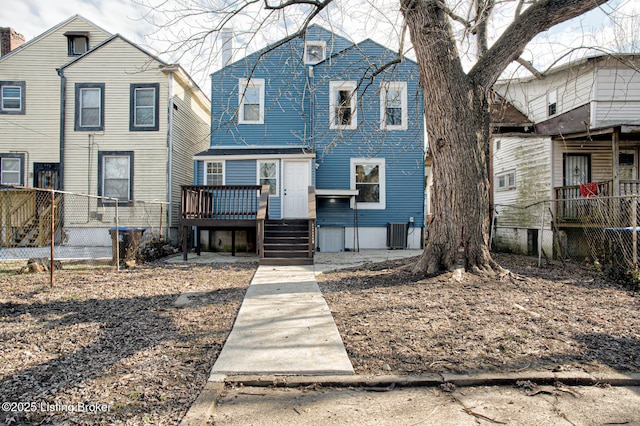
<point>29,218</point>
<point>235,208</point>
<point>601,164</point>
<point>596,211</point>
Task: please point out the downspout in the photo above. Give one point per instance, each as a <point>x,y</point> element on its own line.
<point>170,155</point>
<point>63,94</point>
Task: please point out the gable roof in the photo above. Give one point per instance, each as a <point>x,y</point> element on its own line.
<point>107,41</point>
<point>50,31</point>
<point>623,58</point>
<point>361,46</point>
<point>163,66</point>
<point>313,30</point>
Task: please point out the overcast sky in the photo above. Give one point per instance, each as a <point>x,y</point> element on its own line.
<point>126,17</point>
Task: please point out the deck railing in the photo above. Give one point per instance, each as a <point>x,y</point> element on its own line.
<point>568,206</point>
<point>311,204</point>
<point>227,202</point>
<point>18,211</point>
<point>262,215</point>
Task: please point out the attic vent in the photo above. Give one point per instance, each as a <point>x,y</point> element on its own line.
<point>397,235</point>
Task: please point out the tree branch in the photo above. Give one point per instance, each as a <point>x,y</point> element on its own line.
<point>529,66</point>
<point>539,17</point>
<point>483,11</point>
<point>316,3</point>
<point>442,5</point>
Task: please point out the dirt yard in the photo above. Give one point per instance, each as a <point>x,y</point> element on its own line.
<point>556,318</point>
<point>102,338</point>
<point>105,340</point>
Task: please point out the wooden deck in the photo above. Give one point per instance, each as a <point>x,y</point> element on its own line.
<point>572,209</point>
<point>236,208</point>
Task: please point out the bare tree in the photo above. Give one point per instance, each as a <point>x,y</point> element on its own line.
<point>456,99</point>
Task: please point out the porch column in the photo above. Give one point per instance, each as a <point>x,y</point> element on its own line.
<point>615,153</point>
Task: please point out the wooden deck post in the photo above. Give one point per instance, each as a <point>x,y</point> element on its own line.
<point>185,242</point>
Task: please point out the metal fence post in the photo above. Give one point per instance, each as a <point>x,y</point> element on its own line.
<point>634,231</point>
<point>117,238</point>
<point>53,215</point>
<point>540,236</point>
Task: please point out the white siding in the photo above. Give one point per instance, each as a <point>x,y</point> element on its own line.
<point>118,65</point>
<point>574,87</point>
<point>37,132</point>
<point>618,97</point>
<point>523,208</point>
<point>191,126</point>
<point>530,159</point>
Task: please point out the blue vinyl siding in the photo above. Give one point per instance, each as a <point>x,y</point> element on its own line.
<point>296,113</point>
<point>402,149</point>
<point>198,171</point>
<point>240,172</point>
<point>287,120</point>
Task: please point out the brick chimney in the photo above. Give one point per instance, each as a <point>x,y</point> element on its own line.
<point>9,40</point>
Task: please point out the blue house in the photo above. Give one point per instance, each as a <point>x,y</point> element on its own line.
<point>317,143</point>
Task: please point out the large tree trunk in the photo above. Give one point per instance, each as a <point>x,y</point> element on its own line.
<point>457,121</point>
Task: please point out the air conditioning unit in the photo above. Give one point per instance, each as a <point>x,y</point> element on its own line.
<point>397,235</point>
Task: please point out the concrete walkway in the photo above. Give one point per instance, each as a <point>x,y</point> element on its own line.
<point>284,327</point>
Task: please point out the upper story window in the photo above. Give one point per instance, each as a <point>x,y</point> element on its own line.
<point>393,106</point>
<point>214,173</point>
<point>11,169</point>
<point>144,107</point>
<point>251,101</point>
<point>342,105</point>
<point>89,106</point>
<point>552,103</point>
<point>12,97</point>
<point>77,42</point>
<point>314,51</point>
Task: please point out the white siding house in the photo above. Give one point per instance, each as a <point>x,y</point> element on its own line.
<point>112,105</point>
<point>586,119</point>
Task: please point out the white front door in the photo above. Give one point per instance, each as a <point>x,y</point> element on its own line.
<point>296,179</point>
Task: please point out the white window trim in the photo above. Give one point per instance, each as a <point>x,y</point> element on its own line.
<point>506,187</point>
<point>380,205</point>
<point>224,174</point>
<point>243,84</point>
<point>320,43</point>
<point>393,85</point>
<point>334,86</point>
<point>277,163</point>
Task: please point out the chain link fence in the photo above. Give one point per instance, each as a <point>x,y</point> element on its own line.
<point>603,231</point>
<point>62,226</point>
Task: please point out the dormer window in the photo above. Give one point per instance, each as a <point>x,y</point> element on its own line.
<point>314,52</point>
<point>78,42</point>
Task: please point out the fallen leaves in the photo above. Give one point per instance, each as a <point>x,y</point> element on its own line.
<point>107,337</point>
<point>564,317</point>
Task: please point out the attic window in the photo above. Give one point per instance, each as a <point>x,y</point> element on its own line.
<point>78,42</point>
<point>552,103</point>
<point>314,52</point>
